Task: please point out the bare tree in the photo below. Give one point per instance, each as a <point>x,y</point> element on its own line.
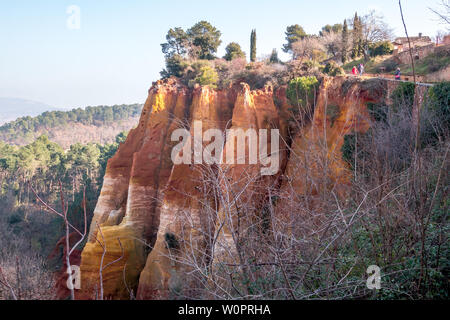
<point>68,227</point>
<point>4,282</point>
<point>306,48</point>
<point>23,270</point>
<point>332,42</point>
<point>443,13</point>
<point>374,29</point>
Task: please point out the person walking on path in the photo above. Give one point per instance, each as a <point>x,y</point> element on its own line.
<point>361,69</point>
<point>397,74</point>
<point>354,71</point>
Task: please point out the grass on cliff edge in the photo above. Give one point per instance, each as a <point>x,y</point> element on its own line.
<point>431,63</point>
<point>370,66</point>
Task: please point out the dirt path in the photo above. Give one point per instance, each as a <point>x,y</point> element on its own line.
<point>419,79</point>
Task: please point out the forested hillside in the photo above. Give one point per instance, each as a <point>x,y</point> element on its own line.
<point>25,225</point>
<point>58,153</point>
<point>93,124</point>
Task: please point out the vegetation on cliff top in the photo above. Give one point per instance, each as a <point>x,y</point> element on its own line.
<point>185,51</point>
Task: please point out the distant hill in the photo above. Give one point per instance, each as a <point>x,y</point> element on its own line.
<point>98,124</point>
<point>13,108</point>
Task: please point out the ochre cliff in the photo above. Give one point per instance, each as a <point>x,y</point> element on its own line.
<point>155,217</point>
<point>127,209</point>
<point>184,199</point>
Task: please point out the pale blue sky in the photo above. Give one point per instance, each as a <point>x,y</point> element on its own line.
<point>116,54</point>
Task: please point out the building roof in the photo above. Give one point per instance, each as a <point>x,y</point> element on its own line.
<point>402,40</point>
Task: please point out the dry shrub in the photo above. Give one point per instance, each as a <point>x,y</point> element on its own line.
<point>25,271</point>
<point>259,74</point>
<point>309,48</point>
<point>318,243</point>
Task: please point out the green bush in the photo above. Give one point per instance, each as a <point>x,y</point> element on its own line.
<point>301,91</point>
<point>403,95</point>
<point>439,98</point>
<point>333,69</point>
<point>204,75</point>
<point>379,112</point>
<point>233,51</point>
<point>381,48</point>
<point>435,115</point>
<point>176,66</point>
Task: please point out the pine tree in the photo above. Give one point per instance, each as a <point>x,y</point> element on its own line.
<point>293,34</point>
<point>253,46</point>
<point>344,42</point>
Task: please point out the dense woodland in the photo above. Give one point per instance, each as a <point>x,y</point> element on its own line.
<point>43,164</point>
<point>26,129</point>
<point>28,231</point>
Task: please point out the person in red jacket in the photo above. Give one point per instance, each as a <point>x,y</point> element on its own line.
<point>354,71</point>
<point>398,74</point>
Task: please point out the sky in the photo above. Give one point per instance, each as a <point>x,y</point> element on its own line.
<point>115,54</point>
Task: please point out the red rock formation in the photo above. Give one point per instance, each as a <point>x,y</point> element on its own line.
<point>192,212</point>
<point>183,202</point>
<point>128,205</point>
<point>243,186</point>
<point>316,157</point>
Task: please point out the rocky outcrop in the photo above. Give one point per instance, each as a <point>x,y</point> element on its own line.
<point>157,221</point>
<point>185,199</point>
<point>340,110</point>
<point>126,217</point>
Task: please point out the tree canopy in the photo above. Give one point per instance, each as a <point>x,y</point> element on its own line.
<point>293,33</point>
<point>331,28</point>
<point>206,38</point>
<point>233,51</point>
<point>177,43</point>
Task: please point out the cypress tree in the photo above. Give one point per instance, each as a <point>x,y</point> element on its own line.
<point>253,46</point>
<point>344,42</point>
<point>274,57</point>
<point>357,35</point>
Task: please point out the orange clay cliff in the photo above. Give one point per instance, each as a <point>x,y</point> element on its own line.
<point>147,200</point>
